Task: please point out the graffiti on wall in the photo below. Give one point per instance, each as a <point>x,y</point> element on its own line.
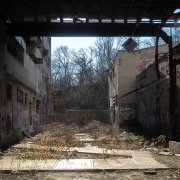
<point>144,64</point>
<point>35,120</point>
<point>127,113</point>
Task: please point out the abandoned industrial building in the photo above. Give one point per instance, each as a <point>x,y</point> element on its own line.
<point>26,86</point>
<point>136,94</point>
<point>48,127</point>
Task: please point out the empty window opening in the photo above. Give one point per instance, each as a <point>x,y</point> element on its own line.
<point>33,102</point>
<point>21,97</point>
<point>15,49</point>
<point>18,95</point>
<point>116,100</point>
<point>26,98</point>
<point>38,103</point>
<point>9,92</point>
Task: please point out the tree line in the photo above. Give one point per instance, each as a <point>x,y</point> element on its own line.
<point>80,77</point>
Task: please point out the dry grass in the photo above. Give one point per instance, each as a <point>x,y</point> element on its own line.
<point>108,136</point>
<point>60,136</point>
<point>54,135</point>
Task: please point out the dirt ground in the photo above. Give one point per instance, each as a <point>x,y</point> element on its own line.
<point>120,175</point>
<point>128,138</point>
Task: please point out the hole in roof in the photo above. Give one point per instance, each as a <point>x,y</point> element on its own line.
<point>177,10</point>
<point>119,20</point>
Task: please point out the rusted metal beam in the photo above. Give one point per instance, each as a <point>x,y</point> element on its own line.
<point>87,12</point>
<point>128,11</point>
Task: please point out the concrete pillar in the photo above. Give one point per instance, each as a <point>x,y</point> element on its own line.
<point>2,72</point>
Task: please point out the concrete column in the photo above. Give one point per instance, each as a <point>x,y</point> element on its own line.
<point>2,72</point>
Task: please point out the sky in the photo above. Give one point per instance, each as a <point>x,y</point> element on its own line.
<point>76,42</point>
<point>72,42</point>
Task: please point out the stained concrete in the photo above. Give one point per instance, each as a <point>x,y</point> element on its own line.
<point>135,160</point>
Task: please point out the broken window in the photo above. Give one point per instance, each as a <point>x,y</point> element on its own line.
<point>33,102</point>
<point>15,49</point>
<point>26,98</point>
<point>21,96</point>
<point>9,92</point>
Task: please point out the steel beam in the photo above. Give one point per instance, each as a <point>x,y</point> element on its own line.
<point>81,30</point>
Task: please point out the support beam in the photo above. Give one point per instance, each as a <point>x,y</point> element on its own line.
<point>87,12</point>
<point>115,11</point>
<point>128,11</point>
<point>101,12</point>
<point>155,12</point>
<point>170,12</point>
<point>18,10</point>
<point>5,14</point>
<point>59,9</point>
<point>172,91</point>
<point>81,30</point>
<point>32,11</point>
<point>156,54</point>
<point>46,11</point>
<point>143,11</point>
<point>75,16</point>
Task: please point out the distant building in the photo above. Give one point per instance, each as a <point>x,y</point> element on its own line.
<point>26,87</point>
<point>122,81</point>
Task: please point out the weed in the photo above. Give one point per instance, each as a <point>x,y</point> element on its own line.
<point>161,140</point>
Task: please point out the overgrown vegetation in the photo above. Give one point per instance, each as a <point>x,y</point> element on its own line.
<point>80,77</point>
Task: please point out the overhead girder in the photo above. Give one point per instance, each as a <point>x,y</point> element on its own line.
<point>82,30</point>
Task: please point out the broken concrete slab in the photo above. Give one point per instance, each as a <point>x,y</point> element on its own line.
<point>174,147</point>
<point>139,161</point>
